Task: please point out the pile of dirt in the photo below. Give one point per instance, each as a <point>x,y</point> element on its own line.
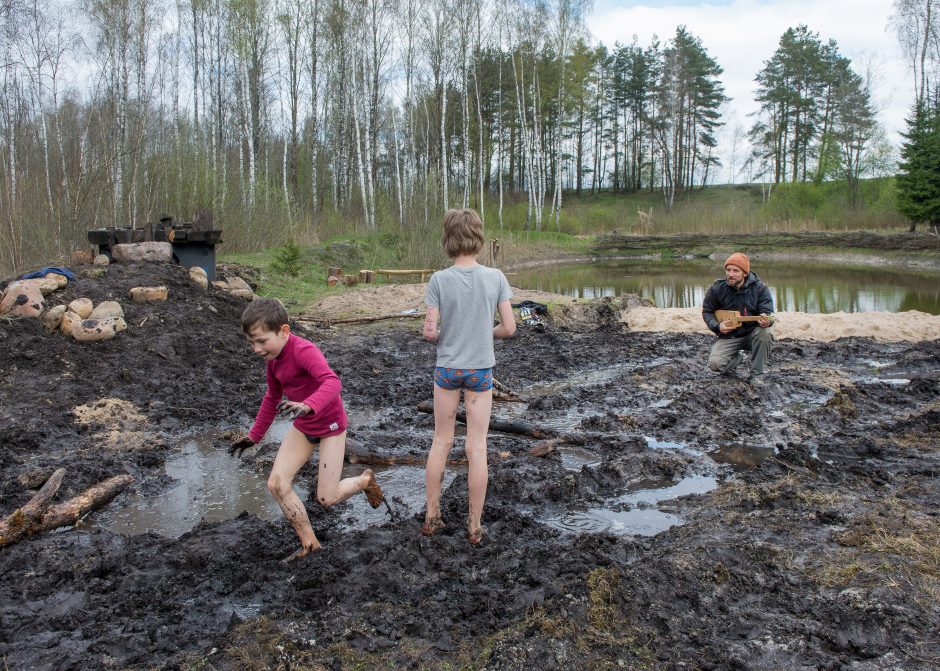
<point>793,518</point>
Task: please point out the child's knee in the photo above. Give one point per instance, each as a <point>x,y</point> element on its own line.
<point>765,336</point>
<point>714,365</point>
<point>474,450</point>
<point>278,485</point>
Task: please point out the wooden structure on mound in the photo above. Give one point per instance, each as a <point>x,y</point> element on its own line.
<point>334,275</point>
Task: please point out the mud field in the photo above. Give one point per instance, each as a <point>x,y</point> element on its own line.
<point>693,522</point>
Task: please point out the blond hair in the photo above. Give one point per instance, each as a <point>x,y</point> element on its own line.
<point>463,233</point>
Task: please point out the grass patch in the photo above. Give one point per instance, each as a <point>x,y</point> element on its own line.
<point>893,545</point>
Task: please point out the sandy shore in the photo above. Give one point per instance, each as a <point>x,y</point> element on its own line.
<point>910,326</point>
<point>883,326</point>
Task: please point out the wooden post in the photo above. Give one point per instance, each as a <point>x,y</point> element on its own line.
<point>350,280</point>
<point>331,281</point>
<point>367,276</point>
<point>334,272</point>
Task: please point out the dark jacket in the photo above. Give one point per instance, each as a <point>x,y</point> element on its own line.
<point>753,298</point>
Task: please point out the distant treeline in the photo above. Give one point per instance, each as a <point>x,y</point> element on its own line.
<point>290,118</point>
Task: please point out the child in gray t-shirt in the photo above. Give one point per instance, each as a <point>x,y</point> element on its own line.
<point>461,300</point>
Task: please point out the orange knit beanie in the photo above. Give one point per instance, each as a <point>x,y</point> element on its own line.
<point>740,260</point>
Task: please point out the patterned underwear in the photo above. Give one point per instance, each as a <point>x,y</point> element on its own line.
<point>471,379</point>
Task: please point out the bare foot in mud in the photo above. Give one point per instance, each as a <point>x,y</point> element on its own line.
<point>432,525</point>
<point>475,536</point>
<point>371,489</point>
<point>302,552</point>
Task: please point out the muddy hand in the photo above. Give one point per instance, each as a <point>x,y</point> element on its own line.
<point>292,409</point>
<point>240,446</point>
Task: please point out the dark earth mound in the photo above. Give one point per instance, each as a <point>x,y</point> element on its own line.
<point>818,549</point>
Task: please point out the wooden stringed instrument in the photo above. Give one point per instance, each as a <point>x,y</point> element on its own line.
<point>736,318</point>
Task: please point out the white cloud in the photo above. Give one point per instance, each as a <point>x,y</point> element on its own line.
<point>742,34</point>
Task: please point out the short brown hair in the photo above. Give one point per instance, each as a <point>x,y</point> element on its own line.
<point>463,233</point>
<point>269,312</point>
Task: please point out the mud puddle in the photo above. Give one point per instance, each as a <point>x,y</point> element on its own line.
<point>212,486</point>
<point>634,513</point>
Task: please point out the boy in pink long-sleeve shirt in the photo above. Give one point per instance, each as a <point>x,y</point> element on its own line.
<point>297,370</point>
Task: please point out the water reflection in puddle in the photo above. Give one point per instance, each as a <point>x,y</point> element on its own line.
<point>741,457</point>
<point>574,457</point>
<point>634,513</point>
<point>213,486</point>
<point>656,444</point>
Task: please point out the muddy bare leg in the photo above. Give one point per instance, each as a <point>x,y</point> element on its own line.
<point>330,489</point>
<point>478,406</point>
<point>294,452</point>
<point>445,417</point>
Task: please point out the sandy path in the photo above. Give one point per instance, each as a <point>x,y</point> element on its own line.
<point>884,326</point>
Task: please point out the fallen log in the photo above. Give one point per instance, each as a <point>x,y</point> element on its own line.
<point>21,521</point>
<point>503,393</point>
<point>354,320</point>
<point>515,426</point>
<point>89,500</point>
<point>71,511</point>
<point>367,458</point>
<point>545,447</point>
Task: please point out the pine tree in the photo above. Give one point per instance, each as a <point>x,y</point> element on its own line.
<point>919,180</point>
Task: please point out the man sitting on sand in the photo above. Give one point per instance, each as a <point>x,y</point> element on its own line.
<point>741,291</point>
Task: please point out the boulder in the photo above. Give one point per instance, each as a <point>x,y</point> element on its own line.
<point>157,252</point>
<point>102,260</point>
<point>198,275</point>
<point>23,298</point>
<point>241,293</point>
<point>107,309</point>
<point>148,294</point>
<point>238,284</point>
<point>82,307</point>
<point>69,321</point>
<point>96,330</point>
<point>53,317</point>
<point>220,285</point>
<point>61,279</point>
<point>81,257</point>
<point>47,285</point>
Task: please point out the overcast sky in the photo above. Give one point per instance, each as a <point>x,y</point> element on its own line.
<point>742,34</point>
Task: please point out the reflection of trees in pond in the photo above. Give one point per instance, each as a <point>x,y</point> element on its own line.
<point>803,288</point>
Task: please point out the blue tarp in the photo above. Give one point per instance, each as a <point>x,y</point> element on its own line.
<point>45,271</point>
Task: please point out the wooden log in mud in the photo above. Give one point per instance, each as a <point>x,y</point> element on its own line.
<point>38,516</point>
<point>20,522</point>
<point>516,426</point>
<point>357,320</point>
<point>545,447</point>
<point>367,458</point>
<point>503,393</point>
<point>91,499</point>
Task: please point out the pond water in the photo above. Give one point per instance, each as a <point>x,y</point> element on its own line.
<point>800,287</point>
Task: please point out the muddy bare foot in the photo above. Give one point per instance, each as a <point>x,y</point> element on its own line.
<point>432,525</point>
<point>302,552</point>
<point>373,492</point>
<point>475,536</point>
